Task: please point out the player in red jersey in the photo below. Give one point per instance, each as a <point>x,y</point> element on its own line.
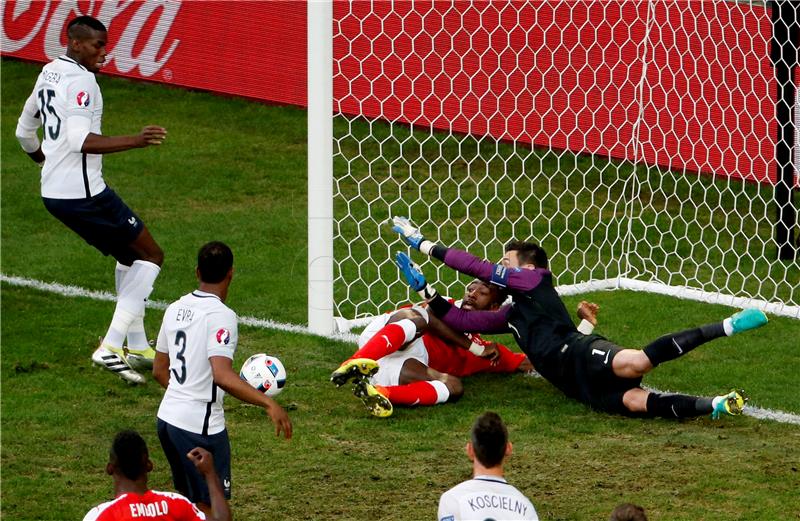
<point>409,358</point>
<point>129,464</point>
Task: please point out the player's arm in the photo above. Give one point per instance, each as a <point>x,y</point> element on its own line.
<point>227,379</point>
<point>161,360</point>
<point>92,143</point>
<point>27,125</point>
<point>204,463</point>
<point>465,262</point>
<point>455,318</point>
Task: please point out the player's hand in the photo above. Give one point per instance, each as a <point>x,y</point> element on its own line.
<point>411,271</point>
<point>407,231</point>
<point>588,311</point>
<point>202,459</point>
<point>152,135</point>
<point>281,420</point>
<point>491,352</point>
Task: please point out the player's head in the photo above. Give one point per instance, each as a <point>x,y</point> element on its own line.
<point>214,262</point>
<point>482,296</point>
<point>86,42</point>
<point>129,458</point>
<point>488,443</point>
<point>519,254</point>
<point>628,512</point>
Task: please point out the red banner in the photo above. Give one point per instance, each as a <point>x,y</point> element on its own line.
<point>251,49</point>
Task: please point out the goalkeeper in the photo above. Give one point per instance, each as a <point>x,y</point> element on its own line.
<point>408,357</point>
<point>587,368</point>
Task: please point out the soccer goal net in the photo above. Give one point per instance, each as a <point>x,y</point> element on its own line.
<point>635,140</point>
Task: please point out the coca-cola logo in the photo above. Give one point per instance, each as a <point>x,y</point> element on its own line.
<point>25,20</point>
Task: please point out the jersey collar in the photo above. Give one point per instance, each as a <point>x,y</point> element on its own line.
<point>66,58</point>
<point>204,294</point>
<point>486,477</point>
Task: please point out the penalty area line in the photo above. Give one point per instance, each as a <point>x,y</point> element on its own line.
<point>75,291</point>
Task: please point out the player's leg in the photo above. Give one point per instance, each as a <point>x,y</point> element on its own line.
<point>137,346</point>
<point>385,338</point>
<point>632,363</point>
<point>668,405</point>
<point>421,385</point>
<point>136,286</point>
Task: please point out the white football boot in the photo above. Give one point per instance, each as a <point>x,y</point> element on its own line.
<point>115,362</point>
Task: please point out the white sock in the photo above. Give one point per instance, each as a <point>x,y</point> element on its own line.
<point>137,337</point>
<point>442,392</point>
<point>119,275</point>
<point>727,325</point>
<point>136,287</point>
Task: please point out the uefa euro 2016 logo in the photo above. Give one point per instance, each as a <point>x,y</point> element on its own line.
<point>83,99</point>
<point>223,336</point>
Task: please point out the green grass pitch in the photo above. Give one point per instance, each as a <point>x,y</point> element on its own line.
<point>234,170</point>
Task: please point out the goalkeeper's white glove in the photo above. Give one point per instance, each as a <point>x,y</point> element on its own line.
<point>411,235</point>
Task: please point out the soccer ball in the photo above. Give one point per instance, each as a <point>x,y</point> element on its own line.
<point>265,373</point>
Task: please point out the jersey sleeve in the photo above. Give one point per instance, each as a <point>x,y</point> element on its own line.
<point>92,514</point>
<point>223,334</point>
<point>83,96</point>
<point>161,343</point>
<point>27,125</point>
<point>448,508</point>
<point>468,321</point>
<point>512,278</point>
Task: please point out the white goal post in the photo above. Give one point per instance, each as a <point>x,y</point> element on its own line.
<point>635,140</point>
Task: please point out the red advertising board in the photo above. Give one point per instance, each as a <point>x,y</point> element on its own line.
<point>691,80</point>
<point>252,49</point>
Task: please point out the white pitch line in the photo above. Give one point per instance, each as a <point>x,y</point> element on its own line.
<point>75,291</point>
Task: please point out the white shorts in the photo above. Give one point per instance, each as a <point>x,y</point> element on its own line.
<point>389,367</point>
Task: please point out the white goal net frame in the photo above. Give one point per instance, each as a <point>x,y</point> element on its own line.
<point>635,141</point>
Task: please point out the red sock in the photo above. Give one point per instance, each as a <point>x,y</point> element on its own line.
<point>415,393</point>
<point>386,341</point>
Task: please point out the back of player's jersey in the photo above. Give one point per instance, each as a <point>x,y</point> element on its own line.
<point>196,327</point>
<point>65,89</point>
<point>151,506</point>
<point>485,497</point>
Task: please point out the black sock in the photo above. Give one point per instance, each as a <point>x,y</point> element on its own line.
<point>670,347</point>
<point>677,405</point>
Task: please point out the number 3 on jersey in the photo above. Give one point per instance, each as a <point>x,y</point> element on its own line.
<point>46,107</point>
<point>180,340</point>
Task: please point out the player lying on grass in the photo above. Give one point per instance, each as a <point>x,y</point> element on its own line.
<point>587,368</point>
<point>407,357</point>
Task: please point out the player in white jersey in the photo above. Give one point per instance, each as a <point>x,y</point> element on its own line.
<point>487,495</point>
<point>129,464</point>
<point>194,362</point>
<point>67,104</point>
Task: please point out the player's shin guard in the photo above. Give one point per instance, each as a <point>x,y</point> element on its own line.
<point>387,340</point>
<point>135,288</point>
<point>677,405</point>
<point>417,393</point>
<point>670,347</point>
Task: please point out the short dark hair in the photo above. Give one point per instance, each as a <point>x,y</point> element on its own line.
<point>79,27</point>
<point>489,439</point>
<point>628,512</point>
<point>129,454</point>
<point>529,253</point>
<point>214,260</point>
